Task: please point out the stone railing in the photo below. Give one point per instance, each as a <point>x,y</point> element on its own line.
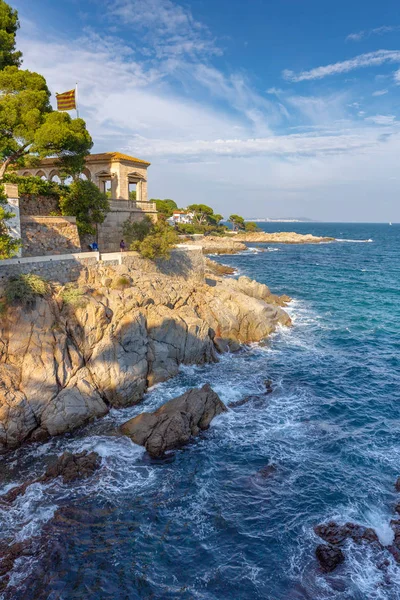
<point>131,205</point>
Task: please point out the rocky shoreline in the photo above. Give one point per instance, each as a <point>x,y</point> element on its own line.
<point>233,244</point>
<point>66,360</point>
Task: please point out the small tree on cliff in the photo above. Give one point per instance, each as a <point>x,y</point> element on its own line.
<point>251,227</point>
<point>9,24</point>
<point>237,222</point>
<point>84,201</point>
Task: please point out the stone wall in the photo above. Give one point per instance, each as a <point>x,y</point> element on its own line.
<point>32,204</point>
<point>44,236</point>
<point>186,262</point>
<point>110,231</point>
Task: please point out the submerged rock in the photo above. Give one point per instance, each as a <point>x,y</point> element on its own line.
<point>68,466</point>
<point>175,422</point>
<point>329,557</point>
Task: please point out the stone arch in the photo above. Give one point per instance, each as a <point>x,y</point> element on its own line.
<point>41,174</point>
<point>86,174</point>
<point>53,174</point>
<point>27,174</point>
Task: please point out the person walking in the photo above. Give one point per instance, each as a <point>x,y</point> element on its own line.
<point>122,245</point>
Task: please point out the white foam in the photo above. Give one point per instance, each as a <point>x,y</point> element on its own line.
<point>369,241</point>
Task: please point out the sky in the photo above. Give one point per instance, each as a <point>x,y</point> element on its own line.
<point>264,108</point>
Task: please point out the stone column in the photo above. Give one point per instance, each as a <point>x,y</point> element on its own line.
<point>13,224</point>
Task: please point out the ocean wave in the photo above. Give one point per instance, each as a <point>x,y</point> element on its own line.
<point>369,241</point>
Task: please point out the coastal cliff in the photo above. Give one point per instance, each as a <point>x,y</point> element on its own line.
<point>72,356</point>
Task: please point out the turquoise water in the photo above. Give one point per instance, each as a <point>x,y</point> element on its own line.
<point>203,525</point>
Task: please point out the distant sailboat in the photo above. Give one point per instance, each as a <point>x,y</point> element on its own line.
<point>390,223</point>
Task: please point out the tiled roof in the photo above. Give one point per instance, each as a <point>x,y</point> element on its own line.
<point>103,156</point>
<point>115,156</point>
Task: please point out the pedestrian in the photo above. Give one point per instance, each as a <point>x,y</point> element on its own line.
<point>122,245</point>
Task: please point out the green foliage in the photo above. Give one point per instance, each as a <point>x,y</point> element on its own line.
<point>9,246</point>
<point>136,231</point>
<point>9,24</point>
<point>151,240</point>
<point>237,222</point>
<point>31,185</point>
<point>3,307</point>
<point>25,289</point>
<point>201,213</point>
<point>165,207</point>
<point>132,195</point>
<point>74,296</point>
<point>121,282</point>
<point>84,200</point>
<point>251,227</point>
<point>31,130</point>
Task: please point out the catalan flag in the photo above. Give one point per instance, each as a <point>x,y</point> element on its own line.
<point>66,100</point>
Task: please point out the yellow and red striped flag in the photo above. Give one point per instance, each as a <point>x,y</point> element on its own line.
<point>66,100</point>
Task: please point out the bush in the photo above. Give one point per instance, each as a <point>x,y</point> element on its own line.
<point>136,231</point>
<point>74,296</point>
<point>83,200</point>
<point>250,227</point>
<point>35,185</point>
<point>121,282</point>
<point>25,289</point>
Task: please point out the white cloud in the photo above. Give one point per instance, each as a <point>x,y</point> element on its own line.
<point>223,146</point>
<point>370,59</point>
<point>380,92</point>
<point>382,119</point>
<point>169,29</point>
<point>359,35</point>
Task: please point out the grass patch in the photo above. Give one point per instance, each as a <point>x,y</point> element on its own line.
<point>74,296</point>
<point>3,307</point>
<point>25,289</point>
<point>121,282</point>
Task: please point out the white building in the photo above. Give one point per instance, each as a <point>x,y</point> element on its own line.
<point>181,216</point>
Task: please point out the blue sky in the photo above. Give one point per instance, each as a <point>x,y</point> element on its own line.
<point>264,108</point>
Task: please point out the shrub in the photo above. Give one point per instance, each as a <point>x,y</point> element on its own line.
<point>158,243</point>
<point>121,282</point>
<point>136,231</point>
<point>83,200</point>
<point>74,296</point>
<point>35,185</point>
<point>250,227</point>
<point>25,289</point>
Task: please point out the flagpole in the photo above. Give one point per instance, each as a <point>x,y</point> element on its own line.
<point>76,100</point>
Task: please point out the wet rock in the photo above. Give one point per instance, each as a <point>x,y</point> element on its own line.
<point>73,466</point>
<point>173,424</point>
<point>329,557</point>
<point>240,402</point>
<point>68,466</point>
<point>268,386</point>
<point>337,534</point>
<point>397,485</point>
<point>266,471</point>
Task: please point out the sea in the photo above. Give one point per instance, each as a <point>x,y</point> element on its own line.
<point>204,524</point>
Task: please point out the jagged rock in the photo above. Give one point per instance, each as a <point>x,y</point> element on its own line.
<point>175,422</point>
<point>397,485</point>
<point>63,365</point>
<point>337,534</point>
<point>68,466</point>
<point>329,557</point>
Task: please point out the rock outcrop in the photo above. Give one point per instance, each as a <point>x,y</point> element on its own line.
<point>281,237</point>
<point>329,557</point>
<point>68,466</point>
<point>64,363</point>
<point>174,423</point>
